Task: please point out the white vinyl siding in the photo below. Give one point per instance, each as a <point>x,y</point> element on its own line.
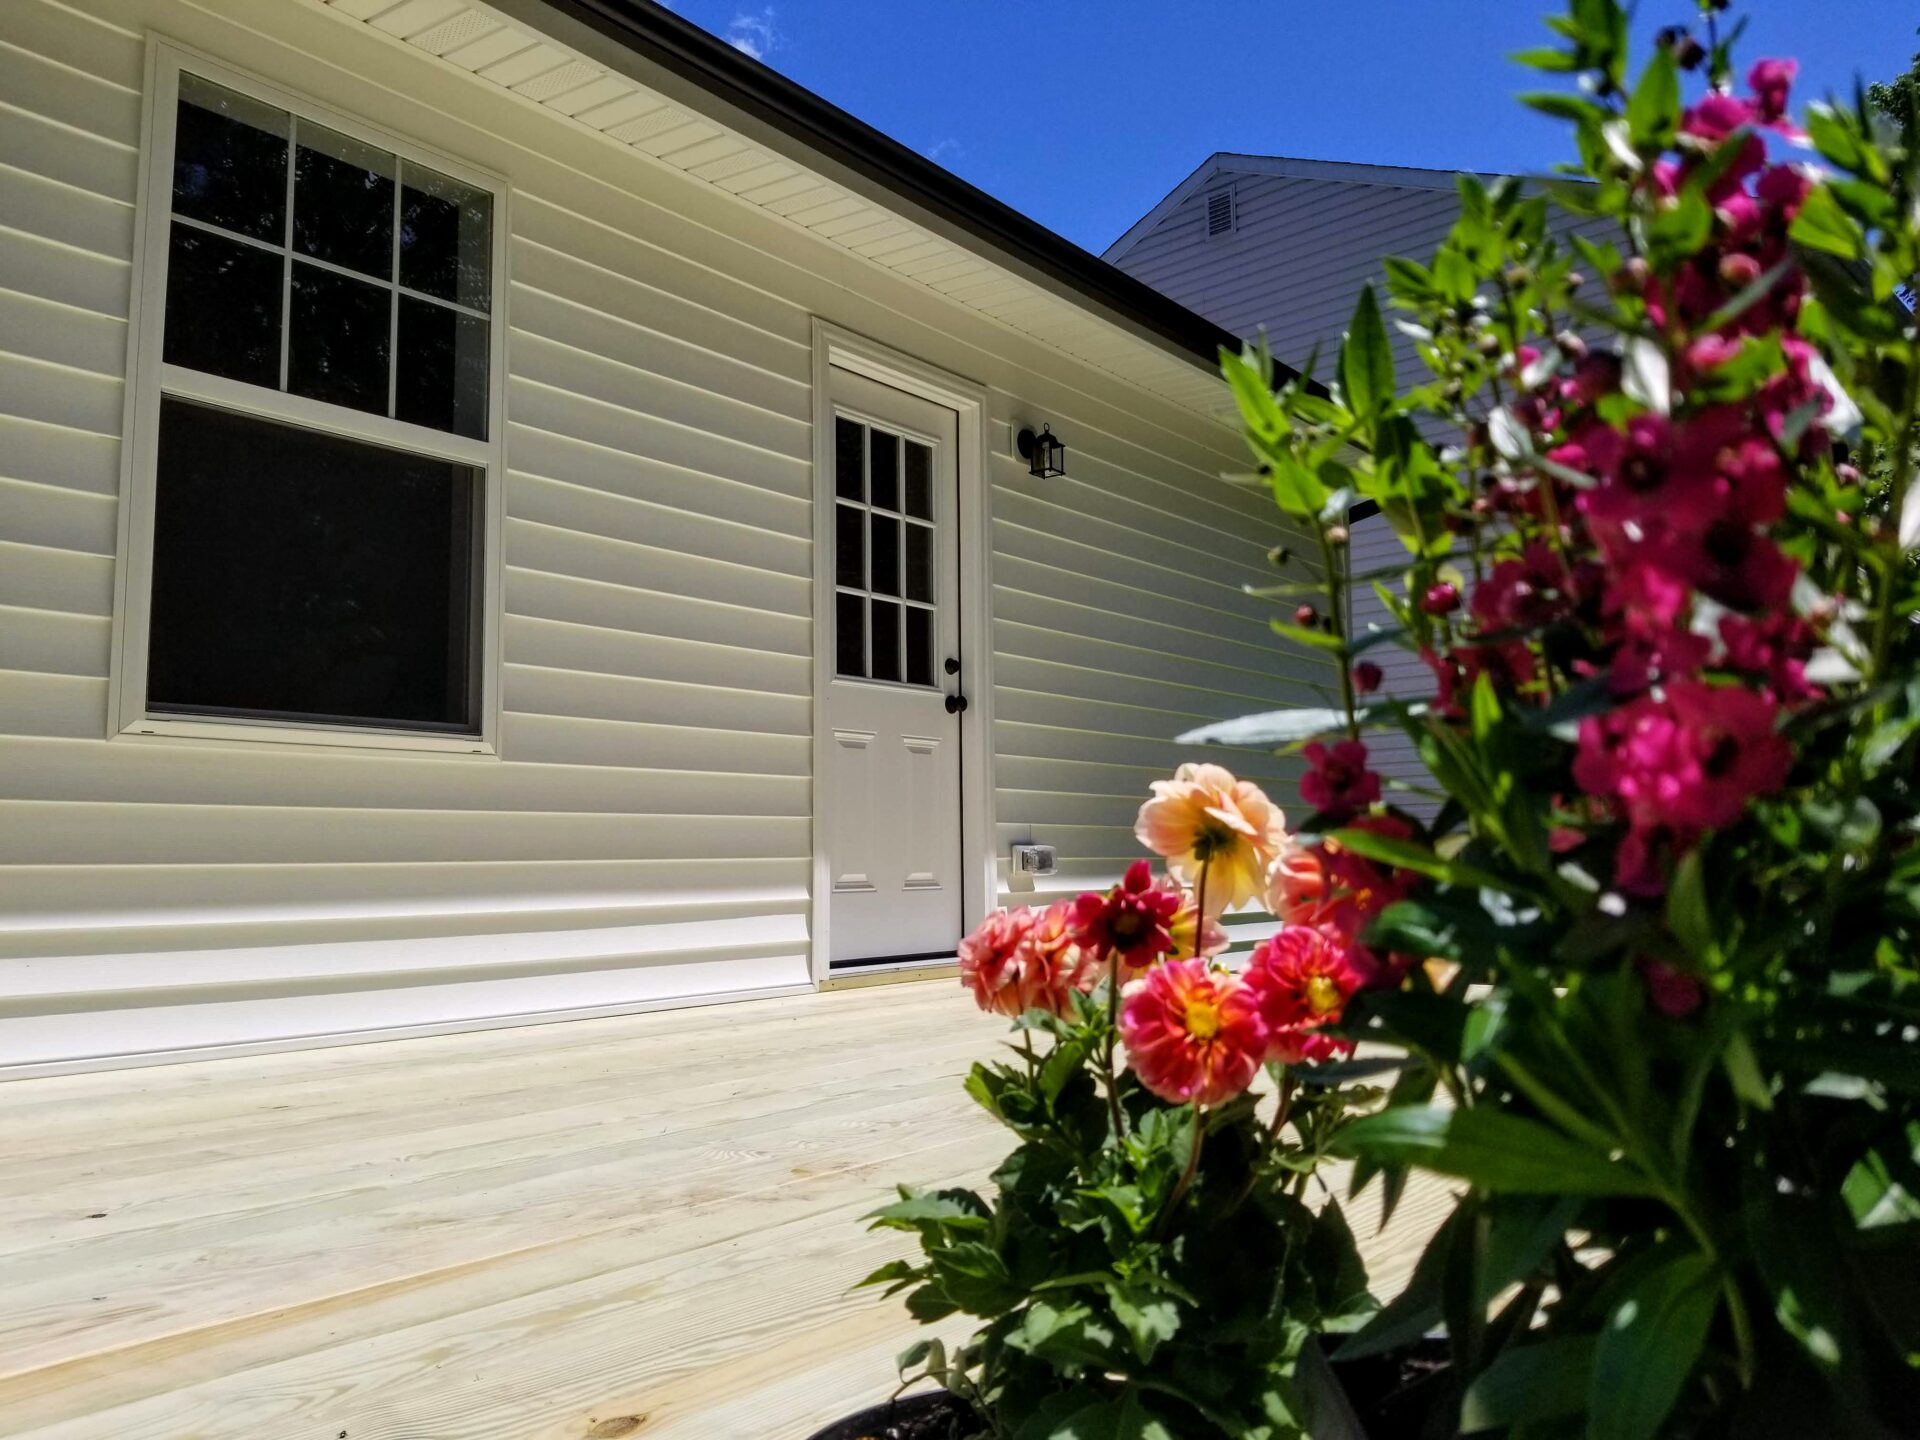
<point>644,835</point>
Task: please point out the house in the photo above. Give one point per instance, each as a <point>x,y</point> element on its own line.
<point>1268,244</point>
<point>515,511</point>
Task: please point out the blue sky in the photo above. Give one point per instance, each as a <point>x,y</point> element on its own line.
<point>1085,112</point>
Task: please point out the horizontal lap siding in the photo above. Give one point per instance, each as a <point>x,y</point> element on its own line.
<point>1292,268</point>
<point>646,833</point>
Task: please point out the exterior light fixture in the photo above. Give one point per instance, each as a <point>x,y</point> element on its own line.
<point>1044,454</point>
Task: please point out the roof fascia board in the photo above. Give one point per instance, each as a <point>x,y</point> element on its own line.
<point>700,71</point>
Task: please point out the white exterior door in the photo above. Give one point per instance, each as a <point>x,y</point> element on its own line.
<point>893,841</point>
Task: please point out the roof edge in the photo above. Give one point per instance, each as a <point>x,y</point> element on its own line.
<point>713,66</point>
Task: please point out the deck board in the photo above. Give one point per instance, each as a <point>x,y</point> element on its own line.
<point>521,1233</point>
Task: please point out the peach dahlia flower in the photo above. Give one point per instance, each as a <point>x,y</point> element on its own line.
<point>1205,818</point>
<point>1008,972</point>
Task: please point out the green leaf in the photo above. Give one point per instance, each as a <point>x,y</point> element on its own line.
<point>1317,639</point>
<point>1067,1334</point>
<point>1499,1152</point>
<point>1822,225</point>
<point>1366,359</point>
<point>1653,114</point>
<point>936,1209</point>
<point>1150,1319</point>
<point>1390,850</point>
<point>1649,1344</point>
<point>1529,1383</point>
<point>891,1273</point>
<point>1687,914</point>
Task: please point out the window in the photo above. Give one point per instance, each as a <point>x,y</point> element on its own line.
<point>315,455</point>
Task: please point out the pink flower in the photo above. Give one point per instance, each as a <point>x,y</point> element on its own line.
<point>1773,648</point>
<point>1359,888</point>
<point>1339,782</point>
<point>1193,1035</point>
<point>1296,883</point>
<point>1130,925</point>
<point>1302,979</point>
<point>1367,677</point>
<point>1673,994</point>
<point>1688,760</point>
<point>1205,819</point>
<point>1770,80</point>
<point>1716,117</point>
<point>1007,973</point>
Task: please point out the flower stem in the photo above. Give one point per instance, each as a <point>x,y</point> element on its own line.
<point>1187,1173</point>
<point>1200,909</point>
<point>1115,1113</point>
<point>1336,613</point>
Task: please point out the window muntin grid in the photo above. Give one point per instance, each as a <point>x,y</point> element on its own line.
<point>886,621</point>
<point>309,262</point>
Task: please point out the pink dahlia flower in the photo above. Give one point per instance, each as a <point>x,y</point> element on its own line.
<point>1205,819</point>
<point>1302,979</point>
<point>1193,1035</point>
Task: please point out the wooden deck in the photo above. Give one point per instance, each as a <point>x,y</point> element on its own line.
<point>641,1226</point>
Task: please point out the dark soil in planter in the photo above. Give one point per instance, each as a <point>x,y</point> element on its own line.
<point>1394,1393</point>
<point>918,1417</point>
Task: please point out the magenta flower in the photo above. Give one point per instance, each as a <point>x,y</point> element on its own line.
<point>1131,924</point>
<point>1689,759</point>
<point>1339,782</point>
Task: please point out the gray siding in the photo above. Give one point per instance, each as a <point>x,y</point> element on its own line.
<point>1292,268</point>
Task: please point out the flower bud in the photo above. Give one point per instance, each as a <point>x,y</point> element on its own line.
<point>1305,615</point>
<point>1442,598</point>
<point>1337,535</point>
<point>1739,270</point>
<point>1571,345</point>
<point>1366,677</point>
<point>1278,556</point>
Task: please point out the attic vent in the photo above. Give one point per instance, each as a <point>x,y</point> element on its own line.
<point>1219,212</point>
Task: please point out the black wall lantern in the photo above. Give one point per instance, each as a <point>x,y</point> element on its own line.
<point>1044,454</point>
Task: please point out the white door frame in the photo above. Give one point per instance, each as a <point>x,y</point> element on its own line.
<point>833,346</point>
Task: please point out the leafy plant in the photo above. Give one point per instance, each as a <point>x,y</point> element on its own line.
<point>1659,1007</point>
<point>1148,1264</point>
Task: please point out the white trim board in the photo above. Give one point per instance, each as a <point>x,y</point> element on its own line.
<point>834,346</point>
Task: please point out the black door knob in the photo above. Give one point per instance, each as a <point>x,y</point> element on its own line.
<point>955,704</point>
<point>953,666</point>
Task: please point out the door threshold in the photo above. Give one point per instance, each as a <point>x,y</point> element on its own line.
<point>849,975</point>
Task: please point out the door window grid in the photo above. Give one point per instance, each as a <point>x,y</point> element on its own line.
<point>884,567</point>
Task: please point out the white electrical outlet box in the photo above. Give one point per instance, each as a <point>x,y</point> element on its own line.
<point>1034,860</point>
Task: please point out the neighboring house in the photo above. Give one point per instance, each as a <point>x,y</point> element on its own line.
<point>1262,243</point>
<point>500,505</point>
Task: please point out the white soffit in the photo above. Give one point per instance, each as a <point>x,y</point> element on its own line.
<point>508,53</point>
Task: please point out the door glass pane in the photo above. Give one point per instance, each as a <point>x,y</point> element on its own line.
<point>886,640</point>
<point>849,474</point>
<point>296,575</point>
<point>443,369</point>
<point>337,351</point>
<point>849,547</point>
<point>885,473</point>
<point>343,201</point>
<point>230,161</point>
<point>919,646</point>
<point>919,562</point>
<point>223,307</point>
<point>919,480</point>
<point>850,635</point>
<point>446,237</point>
<point>886,555</point>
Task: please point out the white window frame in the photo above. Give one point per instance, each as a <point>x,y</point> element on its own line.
<point>149,378</point>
